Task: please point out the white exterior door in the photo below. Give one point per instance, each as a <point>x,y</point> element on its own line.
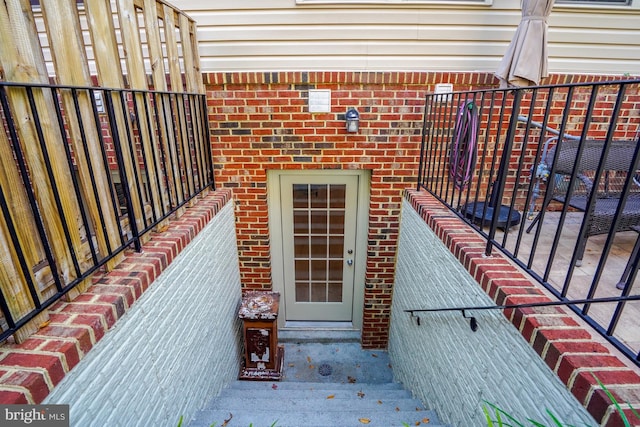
<point>319,245</point>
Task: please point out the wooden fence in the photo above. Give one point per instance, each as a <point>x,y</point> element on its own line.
<point>105,135</point>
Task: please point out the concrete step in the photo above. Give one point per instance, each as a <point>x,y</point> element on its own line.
<point>318,336</point>
<point>319,404</point>
<point>299,385</point>
<point>354,393</point>
<point>277,418</point>
<point>308,404</point>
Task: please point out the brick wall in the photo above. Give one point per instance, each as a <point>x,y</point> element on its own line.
<point>260,121</point>
<point>31,370</point>
<point>561,341</point>
<point>177,346</point>
<point>444,362</point>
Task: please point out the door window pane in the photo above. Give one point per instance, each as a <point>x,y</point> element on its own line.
<point>334,292</point>
<point>302,292</point>
<point>338,192</point>
<point>302,270</point>
<point>319,222</point>
<point>318,247</point>
<point>318,270</point>
<point>336,246</point>
<point>300,196</point>
<point>318,196</point>
<point>301,247</point>
<point>300,222</point>
<point>318,292</point>
<point>335,270</point>
<point>336,222</point>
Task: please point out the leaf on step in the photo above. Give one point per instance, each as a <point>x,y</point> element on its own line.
<point>397,409</point>
<point>308,359</point>
<point>331,396</point>
<point>351,380</point>
<point>425,421</point>
<point>226,422</point>
<point>291,365</point>
<point>379,402</point>
<point>274,386</point>
<point>374,355</point>
<point>311,366</point>
<point>364,420</point>
<point>360,394</point>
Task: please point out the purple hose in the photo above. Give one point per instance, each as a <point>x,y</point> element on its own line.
<point>463,153</point>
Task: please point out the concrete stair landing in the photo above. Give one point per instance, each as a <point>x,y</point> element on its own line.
<point>324,384</point>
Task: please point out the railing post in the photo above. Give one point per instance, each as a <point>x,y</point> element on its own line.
<point>421,164</point>
<point>117,145</point>
<point>498,188</point>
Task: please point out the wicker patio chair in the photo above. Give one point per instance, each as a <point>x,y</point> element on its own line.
<point>608,191</point>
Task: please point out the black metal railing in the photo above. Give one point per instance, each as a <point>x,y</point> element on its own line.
<point>86,173</point>
<point>548,175</point>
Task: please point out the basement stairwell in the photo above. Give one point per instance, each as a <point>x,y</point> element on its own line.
<point>324,384</point>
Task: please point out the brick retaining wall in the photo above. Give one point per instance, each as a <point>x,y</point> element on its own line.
<point>564,344</point>
<point>29,371</point>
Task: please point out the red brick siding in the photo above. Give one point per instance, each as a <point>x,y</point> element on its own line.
<point>260,121</point>
<point>566,347</point>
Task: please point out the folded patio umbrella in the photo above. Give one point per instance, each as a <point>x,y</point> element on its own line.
<point>525,62</point>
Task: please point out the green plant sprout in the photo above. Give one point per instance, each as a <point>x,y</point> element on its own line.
<point>182,419</point>
<point>503,419</point>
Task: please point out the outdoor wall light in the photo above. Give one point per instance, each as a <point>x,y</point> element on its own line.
<point>353,120</point>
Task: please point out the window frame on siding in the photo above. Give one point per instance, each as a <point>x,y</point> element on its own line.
<point>399,2</point>
<point>598,4</point>
<point>595,2</point>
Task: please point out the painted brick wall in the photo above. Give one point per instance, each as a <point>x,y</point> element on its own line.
<point>560,340</point>
<point>260,121</point>
<point>448,365</point>
<point>31,370</point>
<point>178,346</point>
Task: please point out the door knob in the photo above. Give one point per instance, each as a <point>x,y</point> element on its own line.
<point>349,262</point>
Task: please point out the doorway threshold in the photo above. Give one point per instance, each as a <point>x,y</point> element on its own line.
<point>297,332</point>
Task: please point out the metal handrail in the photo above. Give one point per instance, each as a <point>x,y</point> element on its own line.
<point>525,305</point>
<point>473,322</point>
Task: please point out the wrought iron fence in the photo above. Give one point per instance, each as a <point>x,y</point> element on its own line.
<point>85,173</point>
<point>549,176</point>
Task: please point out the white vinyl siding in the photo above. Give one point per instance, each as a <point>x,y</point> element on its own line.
<point>281,35</point>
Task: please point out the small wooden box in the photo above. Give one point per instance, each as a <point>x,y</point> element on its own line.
<point>263,357</point>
